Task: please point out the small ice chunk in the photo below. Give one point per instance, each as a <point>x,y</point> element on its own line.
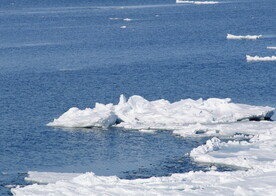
<point>230,36</point>
<point>197,2</point>
<point>127,19</point>
<point>257,58</point>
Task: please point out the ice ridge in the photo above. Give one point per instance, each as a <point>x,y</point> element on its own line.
<point>139,113</point>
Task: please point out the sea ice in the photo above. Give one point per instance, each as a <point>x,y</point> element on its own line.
<point>139,113</point>
<point>256,156</point>
<point>197,2</point>
<point>230,36</point>
<point>257,58</point>
<point>127,19</point>
<point>100,116</point>
<point>271,47</point>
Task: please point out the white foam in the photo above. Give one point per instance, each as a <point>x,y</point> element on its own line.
<point>230,36</point>
<point>139,113</point>
<point>271,47</point>
<point>257,58</point>
<point>197,2</point>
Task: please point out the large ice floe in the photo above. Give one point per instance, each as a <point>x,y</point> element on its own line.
<point>258,58</point>
<point>230,36</point>
<point>235,141</point>
<point>139,113</point>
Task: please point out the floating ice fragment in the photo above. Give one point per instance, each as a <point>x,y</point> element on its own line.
<point>271,47</point>
<point>230,36</point>
<point>257,58</point>
<point>197,2</point>
<point>127,19</point>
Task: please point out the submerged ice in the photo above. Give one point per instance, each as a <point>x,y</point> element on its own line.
<point>139,113</point>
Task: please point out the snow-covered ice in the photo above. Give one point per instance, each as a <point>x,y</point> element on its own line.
<point>257,155</point>
<point>139,113</point>
<point>230,36</point>
<point>258,58</point>
<point>249,145</point>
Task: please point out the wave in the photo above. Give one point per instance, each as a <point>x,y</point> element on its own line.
<point>139,113</point>
<point>257,58</point>
<point>271,47</point>
<point>29,45</point>
<point>197,2</point>
<point>230,36</point>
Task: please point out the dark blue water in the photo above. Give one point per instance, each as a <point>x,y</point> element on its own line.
<point>61,54</point>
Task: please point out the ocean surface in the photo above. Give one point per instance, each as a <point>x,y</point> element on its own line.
<point>59,54</point>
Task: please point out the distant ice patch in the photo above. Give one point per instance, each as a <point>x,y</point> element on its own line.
<point>139,113</point>
<point>257,58</point>
<point>127,19</point>
<point>271,47</point>
<point>197,2</point>
<point>230,36</point>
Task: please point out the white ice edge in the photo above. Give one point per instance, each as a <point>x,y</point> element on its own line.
<point>197,2</point>
<point>258,58</point>
<point>253,37</point>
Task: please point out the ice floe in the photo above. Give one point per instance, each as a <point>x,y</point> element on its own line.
<point>249,145</point>
<point>258,58</point>
<point>197,2</point>
<point>271,47</point>
<point>230,36</point>
<point>257,155</point>
<point>139,113</point>
<point>252,182</point>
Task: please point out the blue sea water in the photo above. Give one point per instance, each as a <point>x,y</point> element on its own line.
<point>58,54</point>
